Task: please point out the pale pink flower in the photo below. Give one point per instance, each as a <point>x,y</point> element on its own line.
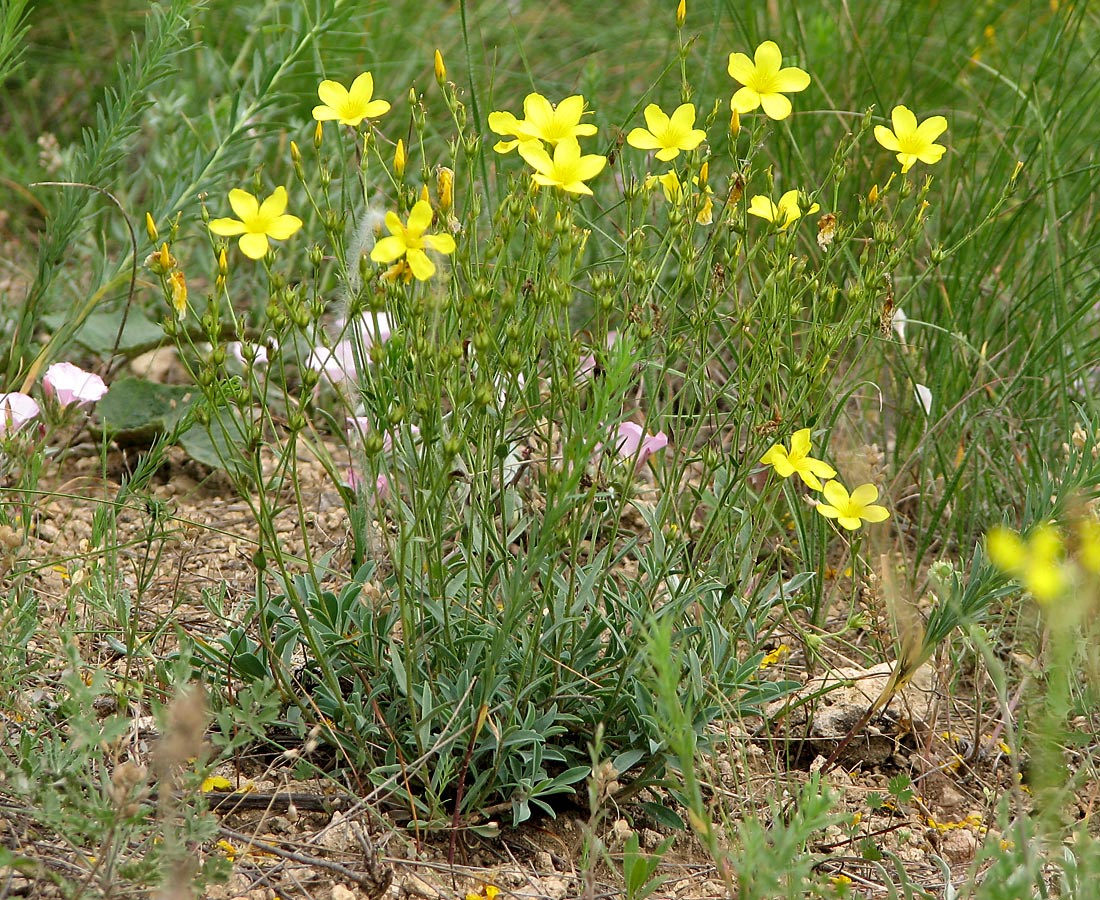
<point>257,351</point>
<point>382,488</point>
<point>356,482</point>
<point>586,366</point>
<point>15,411</point>
<point>70,384</point>
<point>632,442</point>
<point>337,364</point>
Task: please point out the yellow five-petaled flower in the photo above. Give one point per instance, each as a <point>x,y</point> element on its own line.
<point>566,169</point>
<point>542,122</point>
<point>410,241</point>
<point>349,107</point>
<point>668,135</point>
<point>1037,562</point>
<point>913,143</point>
<point>765,82</point>
<point>798,460</point>
<point>852,510</point>
<point>782,214</point>
<point>257,222</point>
<point>674,193</point>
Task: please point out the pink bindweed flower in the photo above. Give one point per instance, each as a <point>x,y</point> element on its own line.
<point>357,483</point>
<point>337,364</point>
<point>70,384</point>
<point>633,443</point>
<point>258,352</point>
<point>586,366</point>
<point>382,488</point>
<point>15,411</point>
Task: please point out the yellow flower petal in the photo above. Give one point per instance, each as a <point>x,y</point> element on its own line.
<point>227,227</point>
<point>243,204</point>
<point>254,246</point>
<point>775,106</point>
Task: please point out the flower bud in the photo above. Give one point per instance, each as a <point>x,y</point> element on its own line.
<point>445,184</point>
<point>440,69</point>
<point>681,13</point>
<point>399,159</point>
<point>424,195</point>
<point>164,259</point>
<point>318,134</point>
<point>151,228</point>
<point>223,264</point>
<point>735,123</point>
<point>295,153</point>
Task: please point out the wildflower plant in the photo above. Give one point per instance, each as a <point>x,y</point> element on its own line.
<point>496,359</point>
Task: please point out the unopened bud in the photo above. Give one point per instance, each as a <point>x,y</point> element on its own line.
<point>318,134</point>
<point>681,13</point>
<point>872,195</point>
<point>165,258</point>
<point>424,195</point>
<point>704,172</point>
<point>445,187</point>
<point>295,153</point>
<point>440,69</point>
<point>223,264</point>
<point>151,228</point>
<point>735,123</point>
<point>399,159</point>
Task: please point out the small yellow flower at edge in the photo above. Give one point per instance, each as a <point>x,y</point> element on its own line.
<point>913,143</point>
<point>673,190</point>
<point>765,82</point>
<point>668,135</point>
<point>798,460</point>
<point>782,214</point>
<point>410,241</point>
<point>349,107</point>
<point>1036,563</point>
<point>567,169</point>
<point>257,221</point>
<point>852,510</point>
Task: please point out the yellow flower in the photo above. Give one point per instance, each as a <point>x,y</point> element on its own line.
<point>410,241</point>
<point>542,122</point>
<point>851,511</point>
<point>912,142</point>
<point>349,107</point>
<point>257,221</point>
<point>772,658</point>
<point>674,193</point>
<point>782,214</point>
<point>1036,563</point>
<point>798,460</point>
<point>178,284</point>
<point>1088,545</point>
<point>765,82</point>
<point>567,169</point>
<point>668,135</point>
